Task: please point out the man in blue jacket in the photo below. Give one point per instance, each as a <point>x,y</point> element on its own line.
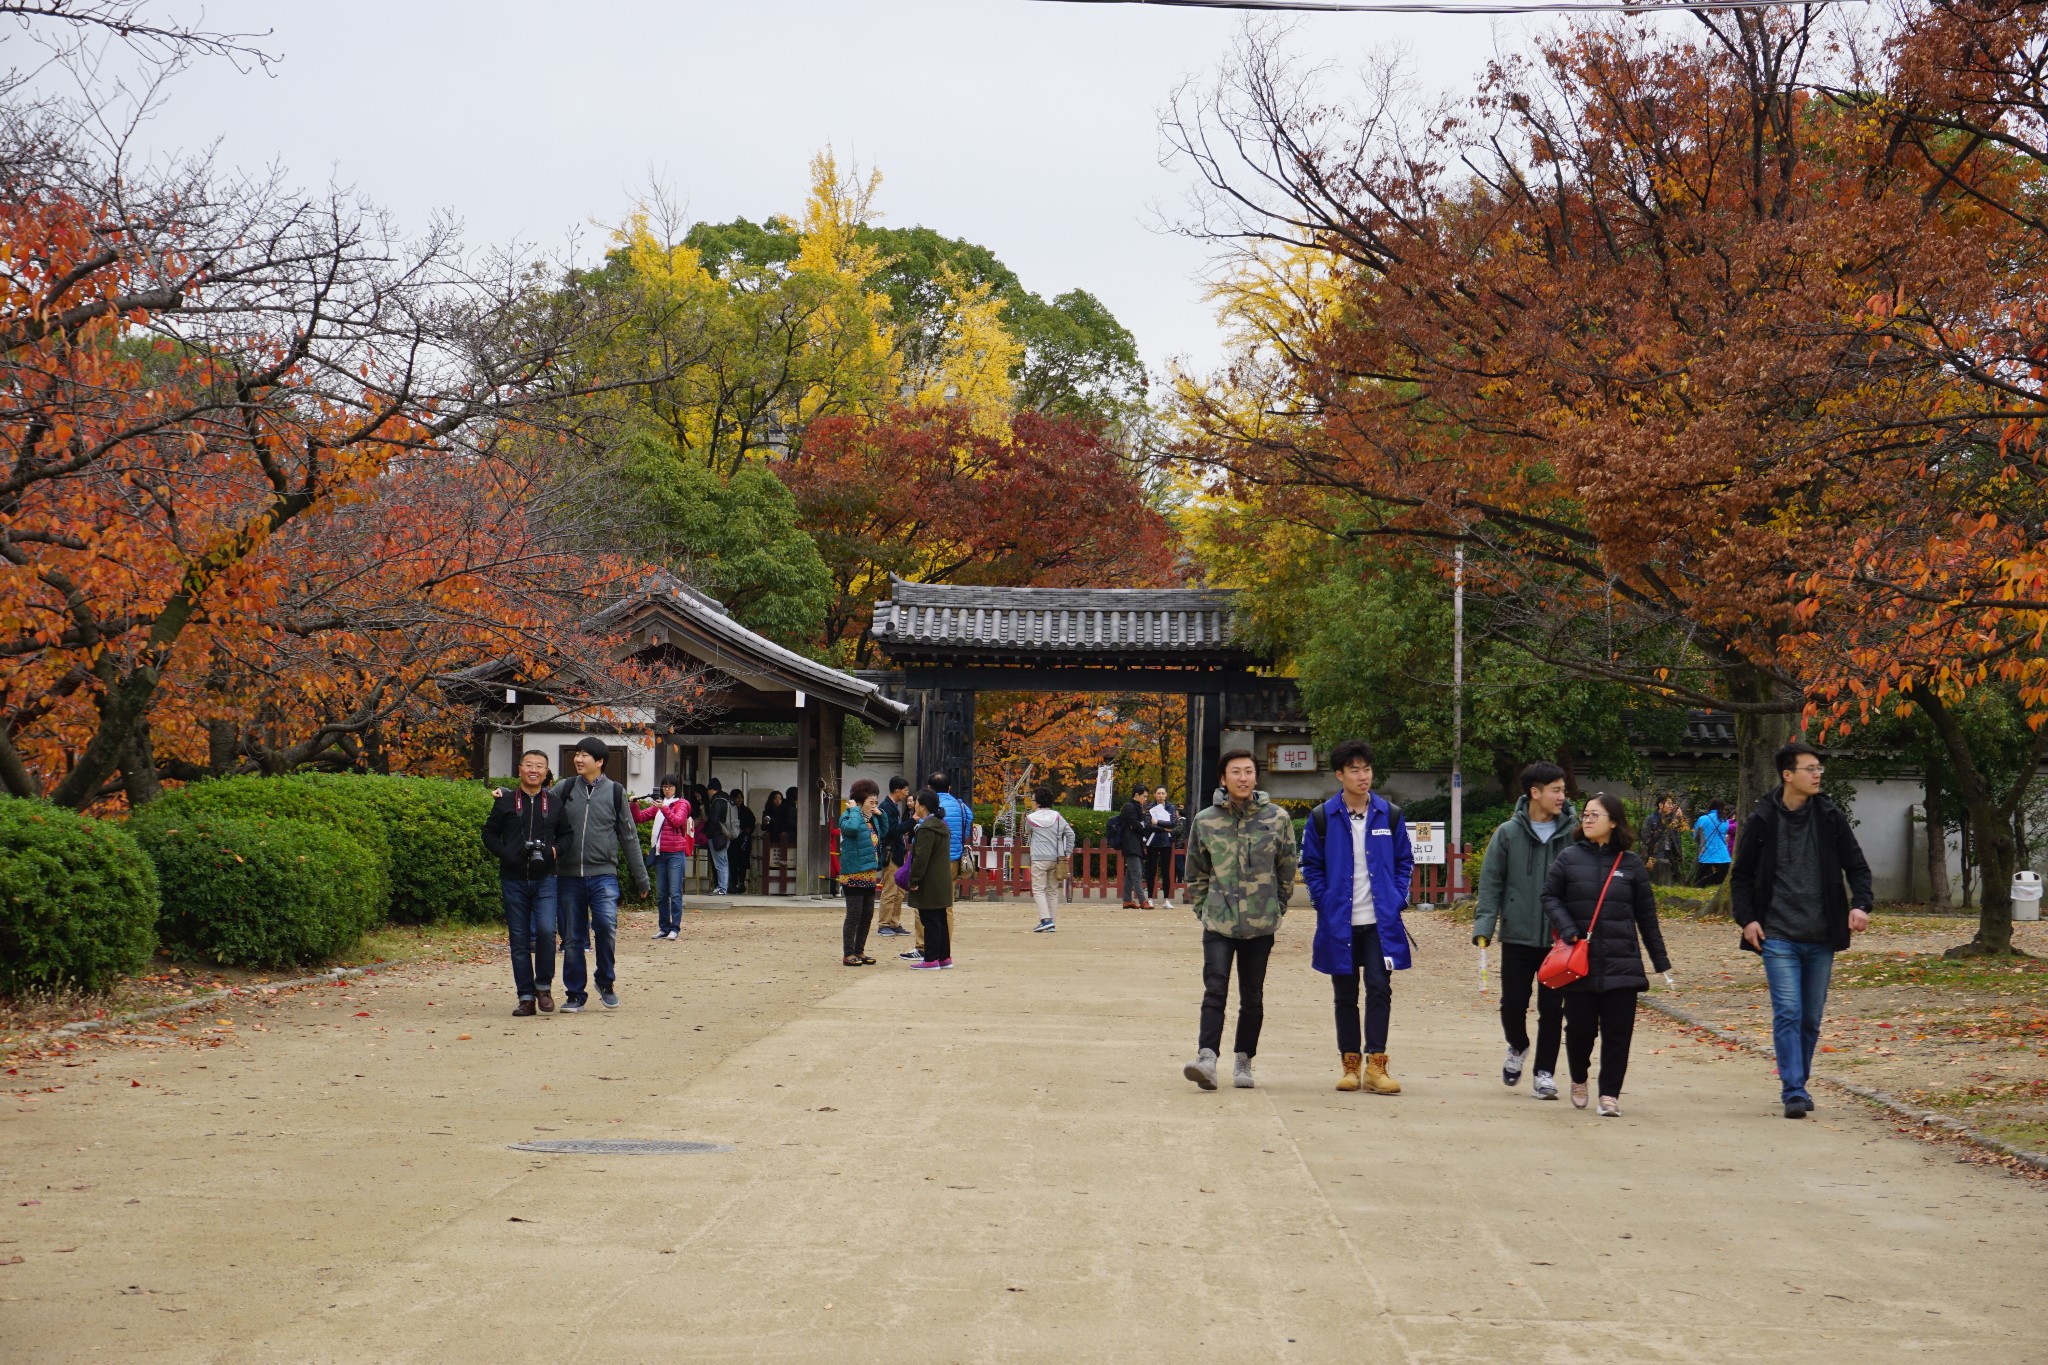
<point>1357,861</point>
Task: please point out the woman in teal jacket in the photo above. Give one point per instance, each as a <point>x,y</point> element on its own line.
<point>860,843</point>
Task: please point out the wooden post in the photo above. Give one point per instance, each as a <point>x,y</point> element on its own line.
<point>819,776</point>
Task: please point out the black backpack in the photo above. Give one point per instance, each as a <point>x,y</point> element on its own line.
<point>1114,830</point>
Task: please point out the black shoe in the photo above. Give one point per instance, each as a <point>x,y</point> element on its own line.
<point>912,956</point>
<point>1794,1109</point>
<point>1807,1102</point>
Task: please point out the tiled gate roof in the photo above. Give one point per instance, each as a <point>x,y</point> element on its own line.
<point>940,623</point>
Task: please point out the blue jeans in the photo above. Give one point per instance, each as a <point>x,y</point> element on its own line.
<point>1798,974</point>
<point>720,873</point>
<point>668,872</point>
<point>530,932</point>
<point>588,903</point>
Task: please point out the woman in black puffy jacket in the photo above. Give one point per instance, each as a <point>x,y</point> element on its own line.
<point>1603,1004</point>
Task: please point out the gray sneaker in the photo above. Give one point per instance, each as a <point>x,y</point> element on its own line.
<point>1511,1069</point>
<point>1545,1085</point>
<point>1202,1070</point>
<point>572,1006</point>
<point>610,999</point>
<point>1242,1076</point>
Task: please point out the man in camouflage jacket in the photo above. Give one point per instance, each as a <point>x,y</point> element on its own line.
<point>1240,872</point>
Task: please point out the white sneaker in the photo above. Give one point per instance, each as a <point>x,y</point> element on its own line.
<point>674,934</point>
<point>1202,1070</point>
<point>1511,1069</point>
<point>1242,1076</point>
<point>1544,1085</point>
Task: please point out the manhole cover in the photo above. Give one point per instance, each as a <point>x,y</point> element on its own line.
<point>619,1146</point>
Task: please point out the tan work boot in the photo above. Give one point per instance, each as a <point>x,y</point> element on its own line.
<point>1376,1078</point>
<point>1349,1080</point>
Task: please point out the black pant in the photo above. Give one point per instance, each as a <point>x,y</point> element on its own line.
<point>1251,955</point>
<point>938,939</point>
<point>1518,964</point>
<point>1369,962</point>
<point>1711,874</point>
<point>741,854</point>
<point>1611,1015</point>
<point>1159,870</point>
<point>860,915</point>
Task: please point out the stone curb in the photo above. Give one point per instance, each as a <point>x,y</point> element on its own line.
<point>82,1026</point>
<point>1883,1099</point>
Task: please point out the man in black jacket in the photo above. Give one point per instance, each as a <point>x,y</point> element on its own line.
<point>525,831</point>
<point>1788,896</point>
<point>1131,849</point>
<point>898,825</point>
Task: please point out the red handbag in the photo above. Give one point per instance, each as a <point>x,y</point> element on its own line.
<point>1566,963</point>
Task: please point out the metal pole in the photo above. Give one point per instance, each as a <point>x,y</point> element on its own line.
<point>1457,867</point>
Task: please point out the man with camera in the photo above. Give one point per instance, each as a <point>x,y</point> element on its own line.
<point>525,831</point>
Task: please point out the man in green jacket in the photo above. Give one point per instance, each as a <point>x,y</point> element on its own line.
<point>1511,905</point>
<point>1241,864</point>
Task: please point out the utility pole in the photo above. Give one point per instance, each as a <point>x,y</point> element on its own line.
<point>1457,869</point>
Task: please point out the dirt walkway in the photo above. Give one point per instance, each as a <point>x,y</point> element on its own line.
<point>995,1163</point>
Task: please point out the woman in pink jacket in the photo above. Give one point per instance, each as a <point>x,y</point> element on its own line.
<point>674,841</point>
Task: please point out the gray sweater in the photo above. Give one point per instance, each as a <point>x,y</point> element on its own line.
<point>601,830</point>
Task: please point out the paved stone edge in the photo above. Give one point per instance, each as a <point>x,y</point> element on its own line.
<point>1883,1099</point>
<point>81,1026</point>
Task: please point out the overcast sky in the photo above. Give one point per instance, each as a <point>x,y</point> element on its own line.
<point>1029,127</point>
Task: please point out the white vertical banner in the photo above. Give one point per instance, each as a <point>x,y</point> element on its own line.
<point>1105,787</point>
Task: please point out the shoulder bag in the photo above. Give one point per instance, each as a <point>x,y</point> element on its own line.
<point>1569,962</point>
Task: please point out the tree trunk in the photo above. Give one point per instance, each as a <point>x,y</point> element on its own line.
<point>223,746</point>
<point>1563,759</point>
<point>1758,737</point>
<point>1990,829</point>
<point>138,768</point>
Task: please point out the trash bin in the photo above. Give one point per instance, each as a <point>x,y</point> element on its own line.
<point>2026,896</point>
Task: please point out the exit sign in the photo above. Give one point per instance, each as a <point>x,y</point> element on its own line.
<point>1292,758</point>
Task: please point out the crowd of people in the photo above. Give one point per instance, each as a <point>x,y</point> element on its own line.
<point>1562,888</point>
<point>1563,891</point>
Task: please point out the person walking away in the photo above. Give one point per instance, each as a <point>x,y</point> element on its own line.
<point>740,858</point>
<point>1241,866</point>
<point>1357,861</point>
<point>1131,822</point>
<point>1511,879</point>
<point>930,883</point>
<point>959,818</point>
<point>601,833</point>
<point>860,865</point>
<point>670,845</point>
<point>1052,850</point>
<point>1599,890</point>
<point>526,829</point>
<point>897,827</point>
<point>721,827</point>
<point>1788,896</point>
<point>1713,832</point>
<point>1162,819</point>
<point>1662,847</point>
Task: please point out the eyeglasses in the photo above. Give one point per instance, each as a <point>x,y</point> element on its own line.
<point>1813,768</point>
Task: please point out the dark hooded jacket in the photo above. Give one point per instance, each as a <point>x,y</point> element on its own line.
<point>1754,876</point>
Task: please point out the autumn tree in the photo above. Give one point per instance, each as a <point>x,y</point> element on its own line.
<point>196,368</point>
<point>928,494</point>
<point>1585,326</point>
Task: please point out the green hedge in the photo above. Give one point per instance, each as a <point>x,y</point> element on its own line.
<point>254,892</point>
<point>432,833</point>
<point>78,900</point>
<point>308,800</point>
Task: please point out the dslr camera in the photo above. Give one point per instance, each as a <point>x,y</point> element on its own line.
<point>538,855</point>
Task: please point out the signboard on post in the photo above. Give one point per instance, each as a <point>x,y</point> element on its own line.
<point>1105,787</point>
<point>1429,840</point>
<point>1292,758</point>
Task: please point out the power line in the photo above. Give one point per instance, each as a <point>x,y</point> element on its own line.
<point>1500,7</point>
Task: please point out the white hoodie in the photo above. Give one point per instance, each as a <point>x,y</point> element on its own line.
<point>1052,838</point>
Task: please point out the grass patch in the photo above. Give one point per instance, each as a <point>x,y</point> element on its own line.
<point>1993,976</point>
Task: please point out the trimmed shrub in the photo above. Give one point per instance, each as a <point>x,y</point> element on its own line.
<point>255,892</point>
<point>433,838</point>
<point>302,799</point>
<point>78,900</point>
